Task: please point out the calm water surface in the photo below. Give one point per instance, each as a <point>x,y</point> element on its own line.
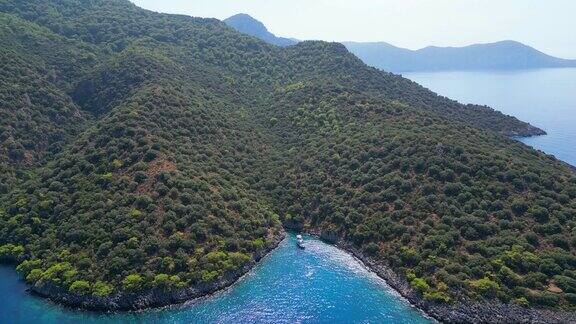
<point>320,284</point>
<point>545,98</point>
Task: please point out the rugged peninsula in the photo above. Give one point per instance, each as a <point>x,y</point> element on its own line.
<point>147,154</point>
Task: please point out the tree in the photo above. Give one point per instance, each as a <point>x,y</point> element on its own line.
<point>485,286</point>
<point>133,282</point>
<point>80,287</point>
<point>540,214</point>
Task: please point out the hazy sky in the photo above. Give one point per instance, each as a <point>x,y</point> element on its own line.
<point>548,25</point>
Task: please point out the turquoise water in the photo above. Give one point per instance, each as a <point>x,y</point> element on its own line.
<point>545,98</point>
<point>320,284</point>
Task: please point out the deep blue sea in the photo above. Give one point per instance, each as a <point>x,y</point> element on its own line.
<point>323,284</point>
<point>545,98</point>
<point>320,284</point>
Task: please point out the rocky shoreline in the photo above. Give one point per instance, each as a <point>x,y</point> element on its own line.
<point>464,312</point>
<point>528,131</point>
<point>148,299</point>
<point>461,312</point>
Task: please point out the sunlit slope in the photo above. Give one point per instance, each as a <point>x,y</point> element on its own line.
<point>183,145</point>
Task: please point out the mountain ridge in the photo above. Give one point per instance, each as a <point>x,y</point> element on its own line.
<point>244,23</point>
<point>502,55</point>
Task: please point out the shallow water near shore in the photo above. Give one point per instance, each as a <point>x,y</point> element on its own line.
<point>321,284</point>
<point>546,98</point>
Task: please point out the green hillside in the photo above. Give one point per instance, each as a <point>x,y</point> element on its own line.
<point>149,151</point>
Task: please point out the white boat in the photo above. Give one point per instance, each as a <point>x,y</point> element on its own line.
<point>300,241</point>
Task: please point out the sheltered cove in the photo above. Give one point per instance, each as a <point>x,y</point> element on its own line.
<point>469,312</point>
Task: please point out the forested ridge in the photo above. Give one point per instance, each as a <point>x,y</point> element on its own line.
<point>150,151</point>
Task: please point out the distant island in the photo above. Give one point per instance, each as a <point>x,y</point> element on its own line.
<point>504,55</point>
